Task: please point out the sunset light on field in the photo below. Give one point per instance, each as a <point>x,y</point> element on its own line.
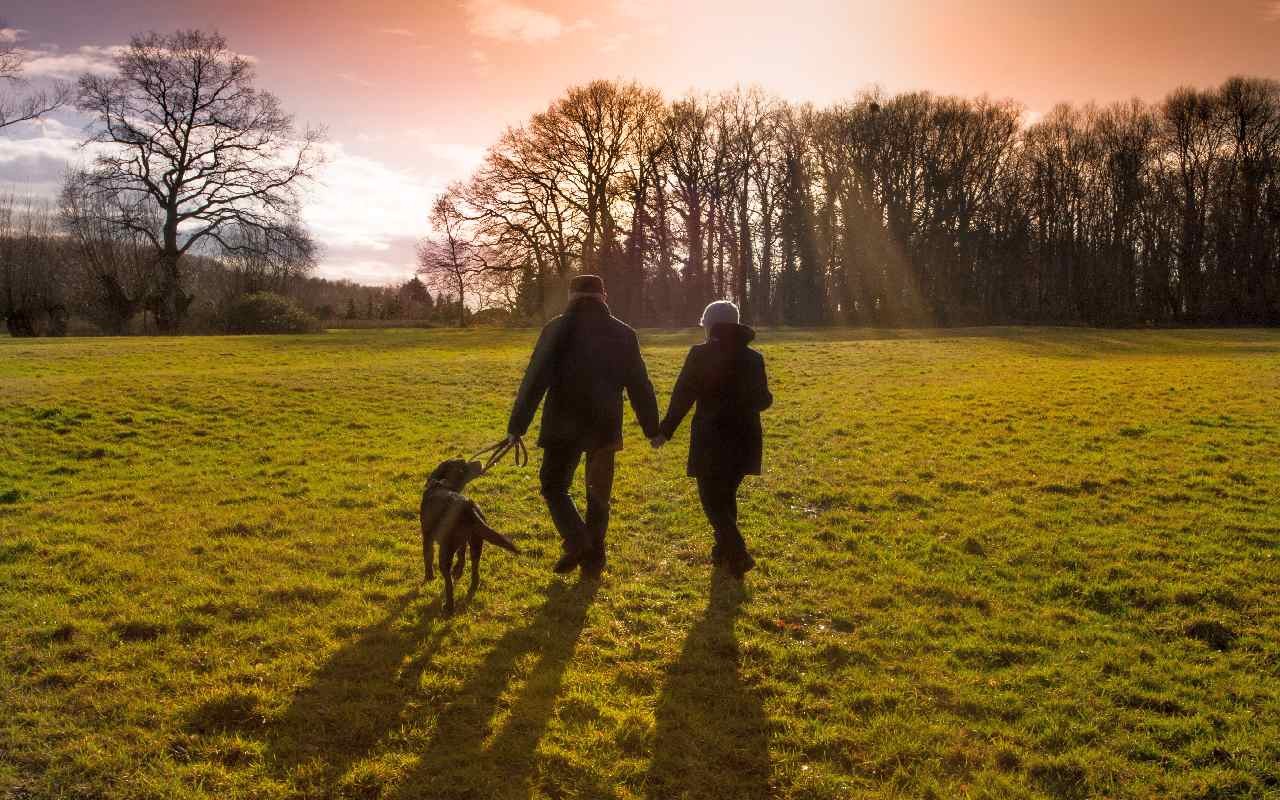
<point>857,398</point>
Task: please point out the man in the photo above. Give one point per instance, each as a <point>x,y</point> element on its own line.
<point>582,362</point>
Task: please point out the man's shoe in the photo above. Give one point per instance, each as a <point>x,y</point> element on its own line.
<point>593,564</point>
<point>568,562</point>
<point>740,566</point>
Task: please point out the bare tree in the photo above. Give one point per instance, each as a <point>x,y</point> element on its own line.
<point>116,265</point>
<point>191,137</point>
<point>18,107</point>
<point>268,260</point>
<point>33,281</point>
<point>451,262</point>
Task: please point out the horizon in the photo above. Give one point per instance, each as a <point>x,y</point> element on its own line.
<point>489,64</point>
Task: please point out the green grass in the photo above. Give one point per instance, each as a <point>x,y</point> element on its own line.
<point>995,563</point>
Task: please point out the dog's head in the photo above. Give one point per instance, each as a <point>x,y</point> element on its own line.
<point>455,474</point>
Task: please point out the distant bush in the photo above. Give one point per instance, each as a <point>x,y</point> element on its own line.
<point>265,312</point>
<point>339,323</point>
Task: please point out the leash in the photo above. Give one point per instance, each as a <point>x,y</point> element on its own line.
<point>498,450</point>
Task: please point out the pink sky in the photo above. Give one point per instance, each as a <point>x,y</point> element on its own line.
<point>412,92</point>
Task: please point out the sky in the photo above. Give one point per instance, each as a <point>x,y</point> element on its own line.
<point>411,92</point>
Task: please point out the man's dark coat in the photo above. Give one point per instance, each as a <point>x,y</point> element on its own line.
<point>582,362</point>
<point>727,380</point>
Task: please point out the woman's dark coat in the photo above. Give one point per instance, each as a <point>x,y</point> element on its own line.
<point>726,379</point>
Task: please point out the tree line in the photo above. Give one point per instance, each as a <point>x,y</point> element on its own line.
<point>911,209</point>
<point>62,272</point>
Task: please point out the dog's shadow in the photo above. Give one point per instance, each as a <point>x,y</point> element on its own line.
<point>357,697</point>
<point>711,737</point>
<point>471,753</point>
<point>369,691</point>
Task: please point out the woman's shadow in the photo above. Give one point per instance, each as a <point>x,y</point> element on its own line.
<point>712,735</point>
<point>369,690</point>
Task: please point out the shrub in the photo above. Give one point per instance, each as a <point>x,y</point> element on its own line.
<point>265,312</point>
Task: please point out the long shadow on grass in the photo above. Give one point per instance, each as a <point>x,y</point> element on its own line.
<point>359,700</point>
<point>465,757</point>
<point>356,698</point>
<point>712,737</point>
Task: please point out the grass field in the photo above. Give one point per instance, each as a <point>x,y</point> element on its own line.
<point>995,563</point>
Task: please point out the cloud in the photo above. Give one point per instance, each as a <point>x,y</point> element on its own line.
<point>613,42</point>
<point>1271,11</point>
<point>354,80</point>
<point>12,35</point>
<point>395,265</point>
<point>401,32</point>
<point>368,216</point>
<point>510,21</point>
<point>55,64</point>
<point>34,156</point>
<point>361,202</point>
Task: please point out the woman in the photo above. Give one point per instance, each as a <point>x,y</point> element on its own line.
<point>726,379</point>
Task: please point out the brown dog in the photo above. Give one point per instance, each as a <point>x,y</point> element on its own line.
<point>453,521</point>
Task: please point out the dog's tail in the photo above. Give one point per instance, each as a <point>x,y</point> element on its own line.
<point>493,537</point>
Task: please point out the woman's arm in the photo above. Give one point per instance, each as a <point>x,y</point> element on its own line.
<point>763,397</point>
<point>682,397</point>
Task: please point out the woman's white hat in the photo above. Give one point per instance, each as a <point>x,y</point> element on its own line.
<point>718,312</point>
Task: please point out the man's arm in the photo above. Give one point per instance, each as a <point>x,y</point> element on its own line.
<point>537,378</point>
<point>640,390</point>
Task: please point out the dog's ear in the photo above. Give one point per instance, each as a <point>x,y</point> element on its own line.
<point>439,472</point>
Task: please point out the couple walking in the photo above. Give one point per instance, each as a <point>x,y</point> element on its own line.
<point>583,361</point>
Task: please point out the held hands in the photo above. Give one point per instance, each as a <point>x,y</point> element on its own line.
<point>657,441</point>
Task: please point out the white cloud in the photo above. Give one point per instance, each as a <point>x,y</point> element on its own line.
<point>456,158</point>
<point>360,202</point>
<point>510,21</point>
<point>56,64</point>
<point>34,156</point>
<point>354,80</point>
<point>466,156</point>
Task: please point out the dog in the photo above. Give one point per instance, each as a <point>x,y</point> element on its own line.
<point>455,523</point>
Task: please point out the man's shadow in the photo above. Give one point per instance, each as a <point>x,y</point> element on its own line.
<point>472,753</point>
<point>712,735</point>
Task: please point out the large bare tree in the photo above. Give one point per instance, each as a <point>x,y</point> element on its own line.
<point>189,136</point>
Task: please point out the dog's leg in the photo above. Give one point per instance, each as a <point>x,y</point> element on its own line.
<point>428,547</point>
<point>445,557</point>
<point>461,563</point>
<point>476,545</point>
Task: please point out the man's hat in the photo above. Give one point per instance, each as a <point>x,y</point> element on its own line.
<point>587,284</point>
